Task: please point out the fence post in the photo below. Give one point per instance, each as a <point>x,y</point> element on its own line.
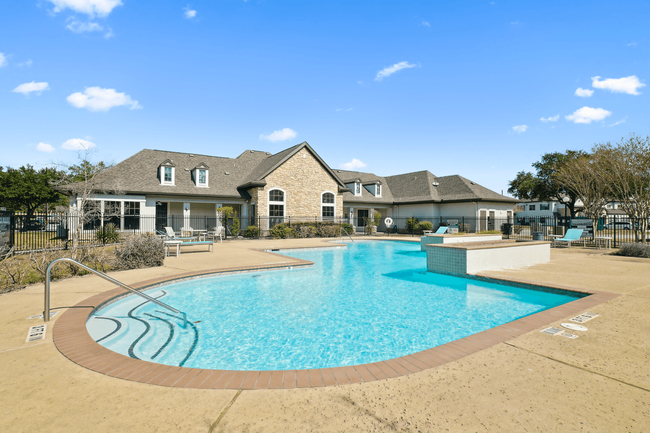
<point>614,224</point>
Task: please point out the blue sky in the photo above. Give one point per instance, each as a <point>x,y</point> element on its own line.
<point>452,87</point>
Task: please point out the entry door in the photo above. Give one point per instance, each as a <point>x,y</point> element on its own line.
<point>161,216</point>
<point>361,214</point>
<point>491,221</point>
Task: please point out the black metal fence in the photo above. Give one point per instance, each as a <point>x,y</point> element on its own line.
<point>39,231</point>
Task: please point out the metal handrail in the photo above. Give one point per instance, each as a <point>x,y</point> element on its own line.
<point>46,312</point>
<point>346,232</point>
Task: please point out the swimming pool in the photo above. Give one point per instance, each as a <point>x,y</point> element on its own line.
<point>368,302</point>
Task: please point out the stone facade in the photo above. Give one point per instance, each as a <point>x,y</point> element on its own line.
<point>303,180</point>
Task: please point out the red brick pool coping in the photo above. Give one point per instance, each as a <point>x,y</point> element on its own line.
<point>73,341</point>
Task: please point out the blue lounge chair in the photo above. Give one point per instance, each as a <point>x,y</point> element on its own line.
<point>441,230</point>
<point>572,235</point>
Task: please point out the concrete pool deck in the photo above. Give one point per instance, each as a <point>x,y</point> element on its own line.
<point>534,382</point>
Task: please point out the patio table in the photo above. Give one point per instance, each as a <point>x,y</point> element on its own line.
<point>607,239</point>
<point>169,244</point>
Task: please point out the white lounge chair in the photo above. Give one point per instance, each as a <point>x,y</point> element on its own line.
<point>216,231</point>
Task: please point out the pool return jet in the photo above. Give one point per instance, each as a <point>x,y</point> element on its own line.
<point>46,311</point>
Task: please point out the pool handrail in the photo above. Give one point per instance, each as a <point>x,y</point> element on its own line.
<point>346,232</point>
<point>46,311</point>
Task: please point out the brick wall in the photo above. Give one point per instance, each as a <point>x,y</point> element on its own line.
<point>303,180</point>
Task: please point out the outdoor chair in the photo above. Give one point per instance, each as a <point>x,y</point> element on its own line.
<point>441,230</point>
<point>172,235</point>
<point>216,231</point>
<point>572,235</point>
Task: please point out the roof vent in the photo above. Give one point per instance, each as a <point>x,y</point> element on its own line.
<point>191,155</point>
<point>226,173</point>
<point>268,153</point>
<point>186,169</point>
<point>250,151</point>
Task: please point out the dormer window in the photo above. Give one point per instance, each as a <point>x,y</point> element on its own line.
<point>200,175</point>
<point>357,188</point>
<point>378,190</point>
<point>167,172</point>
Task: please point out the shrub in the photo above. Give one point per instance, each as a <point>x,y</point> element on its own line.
<point>140,251</point>
<point>634,250</point>
<point>304,231</point>
<point>252,232</point>
<point>108,235</point>
<point>411,224</point>
<point>328,230</point>
<point>235,228</point>
<point>282,231</point>
<point>12,271</point>
<point>348,228</point>
<point>426,225</point>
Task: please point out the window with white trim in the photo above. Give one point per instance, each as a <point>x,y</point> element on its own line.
<point>167,175</point>
<point>277,200</point>
<point>328,205</point>
<point>378,190</point>
<point>357,188</point>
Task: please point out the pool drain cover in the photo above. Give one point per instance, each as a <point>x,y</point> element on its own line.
<point>584,317</point>
<point>574,327</point>
<point>567,335</point>
<point>36,333</point>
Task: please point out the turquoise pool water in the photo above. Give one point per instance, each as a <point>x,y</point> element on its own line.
<point>368,302</point>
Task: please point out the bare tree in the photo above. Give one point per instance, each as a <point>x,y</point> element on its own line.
<point>81,182</point>
<point>584,176</point>
<point>627,178</point>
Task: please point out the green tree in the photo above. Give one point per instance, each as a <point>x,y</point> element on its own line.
<point>544,185</point>
<point>26,189</point>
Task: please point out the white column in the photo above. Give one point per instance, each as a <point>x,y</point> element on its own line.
<point>218,213</point>
<point>186,215</point>
<point>243,220</point>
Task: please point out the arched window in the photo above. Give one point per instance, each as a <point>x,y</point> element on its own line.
<point>328,205</point>
<point>276,207</point>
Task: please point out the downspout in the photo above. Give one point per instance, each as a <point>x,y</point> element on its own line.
<point>476,217</point>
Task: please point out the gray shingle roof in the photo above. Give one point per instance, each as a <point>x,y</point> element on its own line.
<point>229,177</point>
<point>139,173</point>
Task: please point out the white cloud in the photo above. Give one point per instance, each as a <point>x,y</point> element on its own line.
<point>189,13</point>
<point>619,122</point>
<point>550,118</point>
<point>584,93</point>
<point>426,24</point>
<point>3,60</point>
<point>27,88</point>
<point>44,147</point>
<point>81,27</point>
<point>344,109</point>
<point>355,163</point>
<point>98,99</point>
<point>588,115</point>
<point>520,128</point>
<point>28,64</point>
<point>627,85</point>
<point>390,70</point>
<point>77,144</point>
<point>281,135</point>
<point>89,7</point>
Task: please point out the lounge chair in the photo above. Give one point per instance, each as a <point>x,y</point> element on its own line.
<point>216,231</point>
<point>172,235</point>
<point>441,230</point>
<point>190,243</point>
<point>572,235</point>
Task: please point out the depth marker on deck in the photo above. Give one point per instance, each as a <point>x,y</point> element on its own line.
<point>36,333</point>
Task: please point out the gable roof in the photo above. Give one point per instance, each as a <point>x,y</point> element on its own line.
<point>268,165</point>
